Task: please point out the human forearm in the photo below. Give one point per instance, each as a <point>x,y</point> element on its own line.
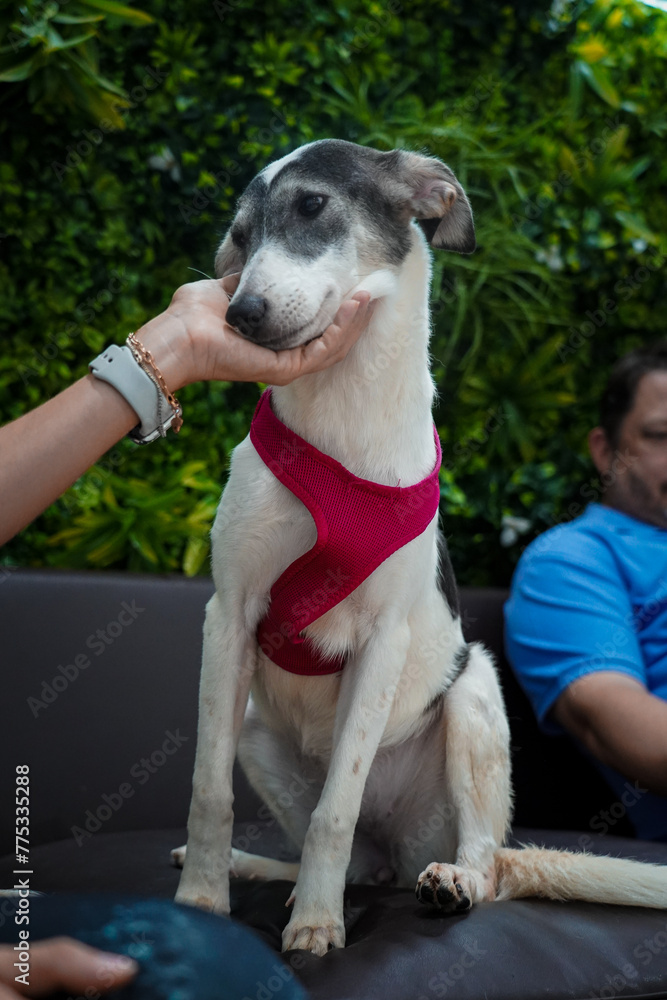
<point>45,451</point>
<point>620,723</point>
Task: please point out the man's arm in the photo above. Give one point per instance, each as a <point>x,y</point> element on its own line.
<point>620,723</point>
<point>573,641</point>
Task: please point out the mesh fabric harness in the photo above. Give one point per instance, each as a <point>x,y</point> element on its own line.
<point>359,524</point>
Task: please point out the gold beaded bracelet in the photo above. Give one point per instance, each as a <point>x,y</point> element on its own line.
<point>144,358</point>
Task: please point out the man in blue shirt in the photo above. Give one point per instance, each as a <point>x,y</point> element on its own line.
<point>586,622</point>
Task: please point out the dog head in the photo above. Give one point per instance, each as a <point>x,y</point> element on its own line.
<point>314,225</point>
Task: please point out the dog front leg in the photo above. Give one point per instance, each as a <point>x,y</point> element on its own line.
<point>228,664</point>
<point>367,691</point>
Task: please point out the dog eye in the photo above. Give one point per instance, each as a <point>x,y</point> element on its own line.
<point>311,205</point>
<point>238,239</point>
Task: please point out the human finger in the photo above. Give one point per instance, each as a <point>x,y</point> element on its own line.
<point>65,964</point>
<point>328,349</point>
<point>231,282</point>
<point>350,322</point>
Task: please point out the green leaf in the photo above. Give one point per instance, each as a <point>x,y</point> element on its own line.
<point>196,552</point>
<point>598,78</point>
<point>142,545</point>
<point>137,17</point>
<point>86,68</point>
<point>20,72</point>
<point>636,226</point>
<point>57,42</point>
<point>73,19</point>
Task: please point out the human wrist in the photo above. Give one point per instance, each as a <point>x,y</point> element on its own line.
<point>166,337</point>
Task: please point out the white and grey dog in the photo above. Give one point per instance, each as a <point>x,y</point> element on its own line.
<point>412,735</point>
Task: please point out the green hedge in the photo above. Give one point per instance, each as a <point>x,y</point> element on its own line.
<point>127,135</point>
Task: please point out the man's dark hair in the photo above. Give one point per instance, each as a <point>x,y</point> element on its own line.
<point>618,397</point>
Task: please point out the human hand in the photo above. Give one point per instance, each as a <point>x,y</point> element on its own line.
<point>62,963</point>
<point>191,341</point>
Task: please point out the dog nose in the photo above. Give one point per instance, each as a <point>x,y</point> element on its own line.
<point>247,313</point>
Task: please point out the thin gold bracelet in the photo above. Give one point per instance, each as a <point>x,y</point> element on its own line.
<point>144,358</point>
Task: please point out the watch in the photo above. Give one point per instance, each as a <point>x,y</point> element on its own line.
<point>119,367</point>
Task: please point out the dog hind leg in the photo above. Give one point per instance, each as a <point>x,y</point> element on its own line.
<point>249,866</point>
<point>477,775</point>
<point>290,784</point>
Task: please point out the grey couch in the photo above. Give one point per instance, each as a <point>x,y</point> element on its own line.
<point>100,676</point>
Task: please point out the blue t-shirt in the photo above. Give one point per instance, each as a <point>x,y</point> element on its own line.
<point>592,595</point>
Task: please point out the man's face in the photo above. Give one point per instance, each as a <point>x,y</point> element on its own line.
<point>638,467</point>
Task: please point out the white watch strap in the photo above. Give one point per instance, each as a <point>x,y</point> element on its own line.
<point>117,366</point>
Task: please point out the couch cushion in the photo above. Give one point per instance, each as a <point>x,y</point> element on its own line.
<point>111,676</point>
<point>396,948</point>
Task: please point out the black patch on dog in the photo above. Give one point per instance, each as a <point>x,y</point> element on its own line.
<point>354,171</point>
<point>255,193</point>
<point>428,227</point>
<point>435,704</point>
<point>249,219</point>
<point>306,238</point>
<point>446,578</point>
<point>461,658</point>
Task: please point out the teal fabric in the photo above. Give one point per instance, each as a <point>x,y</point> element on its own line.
<point>183,953</point>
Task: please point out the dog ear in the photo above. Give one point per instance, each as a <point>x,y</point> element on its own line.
<point>438,202</point>
<point>229,258</point>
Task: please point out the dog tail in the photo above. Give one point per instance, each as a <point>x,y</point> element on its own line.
<point>555,874</point>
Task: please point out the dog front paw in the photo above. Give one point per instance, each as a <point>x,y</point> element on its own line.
<point>204,896</point>
<point>446,887</point>
<point>319,937</point>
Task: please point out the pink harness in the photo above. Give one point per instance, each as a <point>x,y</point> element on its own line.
<point>359,525</point>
